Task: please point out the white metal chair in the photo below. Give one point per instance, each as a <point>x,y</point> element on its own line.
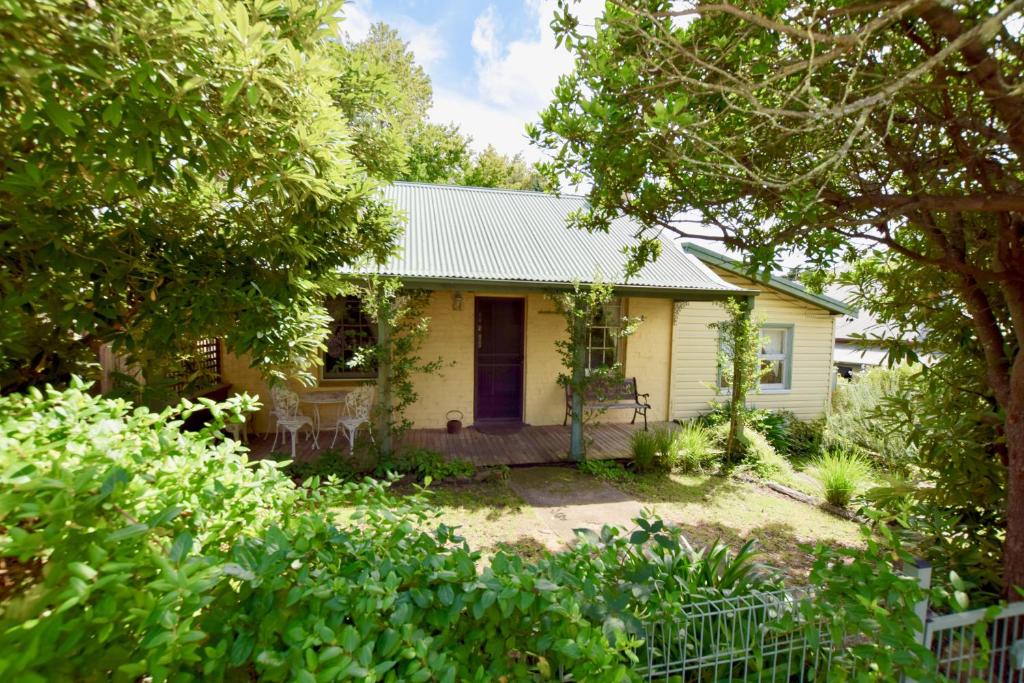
<point>354,413</point>
<point>286,415</point>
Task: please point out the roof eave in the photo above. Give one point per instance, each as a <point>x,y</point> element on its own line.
<point>781,284</point>
<point>494,285</point>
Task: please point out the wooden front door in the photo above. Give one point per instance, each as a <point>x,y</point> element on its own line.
<point>499,359</point>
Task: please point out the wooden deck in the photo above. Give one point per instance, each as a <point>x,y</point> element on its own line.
<point>529,446</point>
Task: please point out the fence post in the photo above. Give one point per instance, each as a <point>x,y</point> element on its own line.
<point>921,570</point>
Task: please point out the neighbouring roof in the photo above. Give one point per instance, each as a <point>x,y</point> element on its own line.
<point>780,284</point>
<point>457,234</point>
<point>861,324</point>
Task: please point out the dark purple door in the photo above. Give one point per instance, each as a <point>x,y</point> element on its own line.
<point>499,359</point>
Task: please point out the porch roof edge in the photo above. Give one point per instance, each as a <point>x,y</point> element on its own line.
<point>486,285</point>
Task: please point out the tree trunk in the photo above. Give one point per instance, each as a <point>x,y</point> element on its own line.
<point>577,446</point>
<point>738,398</point>
<point>1013,547</point>
<point>384,402</point>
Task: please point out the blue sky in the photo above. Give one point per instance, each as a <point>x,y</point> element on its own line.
<point>493,65</point>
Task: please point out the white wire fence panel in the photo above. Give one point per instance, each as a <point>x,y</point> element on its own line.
<point>758,637</point>
<point>979,645</point>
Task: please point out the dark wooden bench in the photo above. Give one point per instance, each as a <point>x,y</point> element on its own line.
<point>612,394</point>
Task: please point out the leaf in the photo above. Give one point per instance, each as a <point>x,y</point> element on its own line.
<point>238,571</point>
<point>231,92</point>
<point>129,531</point>
<point>113,112</point>
<point>639,537</point>
<point>62,118</point>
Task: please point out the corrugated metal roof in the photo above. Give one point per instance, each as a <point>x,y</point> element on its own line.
<point>483,234</point>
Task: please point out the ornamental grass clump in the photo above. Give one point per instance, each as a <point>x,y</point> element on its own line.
<point>695,448</point>
<point>842,475</point>
<point>654,450</point>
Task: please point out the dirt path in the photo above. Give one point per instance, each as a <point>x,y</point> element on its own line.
<point>563,501</point>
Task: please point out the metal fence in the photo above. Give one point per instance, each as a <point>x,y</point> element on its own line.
<point>758,637</point>
<point>768,637</point>
<point>978,645</point>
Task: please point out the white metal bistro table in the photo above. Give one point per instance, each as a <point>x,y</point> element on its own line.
<point>318,399</point>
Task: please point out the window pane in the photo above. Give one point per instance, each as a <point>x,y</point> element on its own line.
<point>773,373</point>
<point>773,341</point>
<point>352,331</point>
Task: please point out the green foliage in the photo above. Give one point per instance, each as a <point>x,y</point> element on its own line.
<point>762,458</point>
<point>652,450</point>
<point>739,341</point>
<point>141,551</point>
<point>694,446</point>
<point>867,604</point>
<point>425,464</point>
<point>490,168</point>
<point>789,436</point>
<point>385,97</point>
<point>805,439</point>
<point>438,154</point>
<point>580,306</point>
<point>652,571</point>
<point>145,146</point>
<point>855,423</point>
<point>688,448</point>
<point>401,330</point>
<point>755,453</point>
<point>785,147</point>
<point>330,462</point>
<point>608,470</point>
<point>842,476</point>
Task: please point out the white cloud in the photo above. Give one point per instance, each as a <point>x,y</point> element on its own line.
<point>485,123</point>
<point>514,80</point>
<point>511,81</point>
<point>425,40</point>
<point>484,39</point>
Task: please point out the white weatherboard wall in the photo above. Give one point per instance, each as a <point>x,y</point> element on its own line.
<point>695,354</point>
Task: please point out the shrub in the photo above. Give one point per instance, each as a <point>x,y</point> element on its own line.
<point>759,456</point>
<point>609,470</point>
<point>654,450</point>
<point>762,458</point>
<point>854,425</point>
<point>842,475</point>
<point>137,551</point>
<point>424,463</point>
<point>806,439</point>
<point>695,447</point>
<point>330,462</point>
<point>773,425</point>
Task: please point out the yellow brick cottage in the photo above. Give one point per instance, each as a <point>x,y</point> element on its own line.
<point>488,258</point>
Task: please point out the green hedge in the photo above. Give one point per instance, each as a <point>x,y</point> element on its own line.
<point>134,550</point>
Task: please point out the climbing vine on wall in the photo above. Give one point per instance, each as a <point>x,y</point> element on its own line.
<point>580,306</point>
<point>402,327</point>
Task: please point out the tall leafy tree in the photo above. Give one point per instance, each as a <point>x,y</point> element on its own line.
<point>385,96</point>
<point>491,168</point>
<point>172,171</point>
<point>438,153</point>
<point>827,128</point>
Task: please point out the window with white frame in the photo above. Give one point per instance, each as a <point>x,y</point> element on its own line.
<point>604,343</point>
<point>776,354</point>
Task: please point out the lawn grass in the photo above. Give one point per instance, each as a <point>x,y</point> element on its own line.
<point>709,507</point>
<point>490,516</point>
